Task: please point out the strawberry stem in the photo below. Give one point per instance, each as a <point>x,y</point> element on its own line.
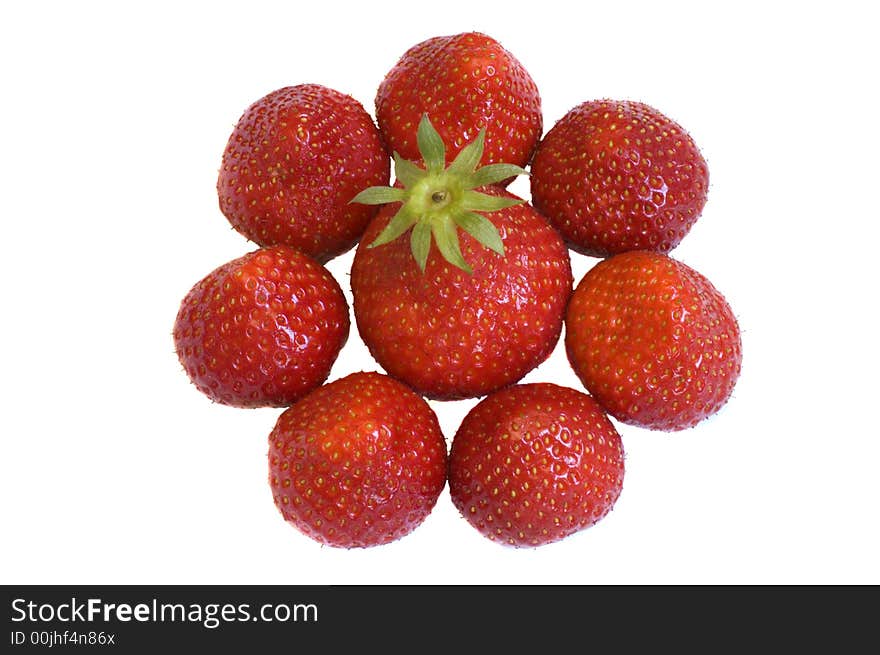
<point>437,201</point>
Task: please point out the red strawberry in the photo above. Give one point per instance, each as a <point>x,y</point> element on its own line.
<point>463,83</point>
<point>262,330</point>
<point>456,319</point>
<point>616,176</point>
<point>358,462</point>
<point>294,161</point>
<point>653,341</point>
<point>534,463</point>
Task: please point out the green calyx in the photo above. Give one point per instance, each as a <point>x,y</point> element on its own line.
<point>437,201</point>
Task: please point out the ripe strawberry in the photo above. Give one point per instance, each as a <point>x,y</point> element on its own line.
<point>294,161</point>
<point>616,176</point>
<point>358,462</point>
<point>263,329</point>
<point>534,463</point>
<point>465,317</point>
<point>653,341</point>
<point>464,83</point>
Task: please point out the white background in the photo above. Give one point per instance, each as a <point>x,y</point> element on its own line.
<point>114,469</point>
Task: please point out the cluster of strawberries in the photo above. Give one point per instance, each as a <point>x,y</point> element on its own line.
<point>460,289</point>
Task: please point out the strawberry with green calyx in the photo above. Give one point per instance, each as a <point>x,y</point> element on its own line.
<point>482,308</point>
<point>436,201</point>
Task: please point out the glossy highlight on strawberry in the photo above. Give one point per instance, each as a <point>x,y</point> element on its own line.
<point>534,463</point>
<point>262,330</point>
<point>359,462</point>
<point>653,341</point>
<point>292,164</point>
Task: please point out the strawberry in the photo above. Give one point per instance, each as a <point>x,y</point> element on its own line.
<point>263,329</point>
<point>358,462</point>
<point>534,463</point>
<point>653,341</point>
<point>458,317</point>
<point>615,176</point>
<point>293,162</point>
<point>464,83</point>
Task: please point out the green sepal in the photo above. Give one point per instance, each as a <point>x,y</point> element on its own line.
<point>431,146</point>
<point>406,172</point>
<point>467,159</point>
<point>400,223</point>
<point>481,229</point>
<point>494,173</point>
<point>420,243</point>
<point>480,202</point>
<point>379,195</point>
<point>446,238</point>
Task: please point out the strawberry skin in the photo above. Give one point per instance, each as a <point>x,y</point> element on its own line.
<point>451,334</point>
<point>359,462</point>
<point>263,329</point>
<point>653,341</point>
<point>463,83</point>
<point>614,176</point>
<point>534,463</point>
<point>292,164</point>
